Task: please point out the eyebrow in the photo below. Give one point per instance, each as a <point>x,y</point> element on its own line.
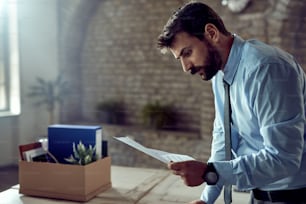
<point>182,51</point>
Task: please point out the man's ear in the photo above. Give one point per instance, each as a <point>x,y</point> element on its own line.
<point>211,33</point>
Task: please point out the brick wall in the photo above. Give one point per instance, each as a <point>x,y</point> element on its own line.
<point>121,62</point>
<point>109,52</point>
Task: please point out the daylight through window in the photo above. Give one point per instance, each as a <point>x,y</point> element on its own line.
<point>9,59</point>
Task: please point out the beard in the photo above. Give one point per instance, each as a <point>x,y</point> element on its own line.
<point>213,64</point>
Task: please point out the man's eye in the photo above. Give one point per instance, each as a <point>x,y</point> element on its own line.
<point>187,53</point>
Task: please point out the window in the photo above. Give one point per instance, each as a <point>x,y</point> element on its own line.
<point>9,59</point>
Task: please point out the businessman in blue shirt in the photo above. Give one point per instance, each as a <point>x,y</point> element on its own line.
<point>268,98</point>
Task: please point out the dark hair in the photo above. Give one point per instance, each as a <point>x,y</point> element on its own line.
<point>191,18</point>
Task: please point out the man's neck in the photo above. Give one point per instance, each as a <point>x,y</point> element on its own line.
<point>225,48</point>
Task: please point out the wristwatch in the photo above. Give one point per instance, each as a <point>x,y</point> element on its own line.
<point>210,176</point>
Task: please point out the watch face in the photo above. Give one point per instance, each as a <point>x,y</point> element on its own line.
<point>211,178</point>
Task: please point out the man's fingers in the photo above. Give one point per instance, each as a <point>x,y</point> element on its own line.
<point>175,166</point>
<point>197,202</point>
<point>170,165</point>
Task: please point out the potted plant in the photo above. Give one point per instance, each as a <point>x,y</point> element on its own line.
<point>49,93</point>
<point>158,116</point>
<point>82,155</point>
<point>110,111</point>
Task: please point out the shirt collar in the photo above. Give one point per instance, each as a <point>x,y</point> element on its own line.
<point>233,60</point>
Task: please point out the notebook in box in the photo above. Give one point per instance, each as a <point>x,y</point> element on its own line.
<point>61,138</point>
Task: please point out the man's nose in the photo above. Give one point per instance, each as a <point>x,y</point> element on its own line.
<point>185,65</point>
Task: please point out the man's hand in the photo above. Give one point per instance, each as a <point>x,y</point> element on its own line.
<point>197,202</point>
<point>190,171</point>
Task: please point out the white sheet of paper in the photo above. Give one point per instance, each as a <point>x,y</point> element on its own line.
<point>162,156</point>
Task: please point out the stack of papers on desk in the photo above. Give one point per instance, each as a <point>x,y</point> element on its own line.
<point>162,156</point>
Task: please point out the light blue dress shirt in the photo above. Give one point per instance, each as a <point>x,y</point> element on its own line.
<point>268,98</point>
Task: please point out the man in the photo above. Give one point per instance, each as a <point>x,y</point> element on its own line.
<point>267,96</point>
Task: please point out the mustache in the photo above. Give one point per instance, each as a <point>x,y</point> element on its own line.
<point>195,69</point>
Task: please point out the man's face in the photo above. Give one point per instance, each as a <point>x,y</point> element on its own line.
<point>196,56</point>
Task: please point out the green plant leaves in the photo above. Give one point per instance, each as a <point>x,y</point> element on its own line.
<point>82,155</point>
<point>158,116</point>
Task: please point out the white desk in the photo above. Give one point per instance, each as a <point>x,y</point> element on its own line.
<point>130,186</point>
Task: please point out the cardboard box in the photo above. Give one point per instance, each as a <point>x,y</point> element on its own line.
<point>65,181</point>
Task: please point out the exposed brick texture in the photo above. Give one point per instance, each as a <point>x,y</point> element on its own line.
<point>108,52</point>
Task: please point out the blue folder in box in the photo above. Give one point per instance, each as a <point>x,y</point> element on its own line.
<point>61,138</point>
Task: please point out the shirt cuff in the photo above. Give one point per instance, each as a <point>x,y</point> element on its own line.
<point>211,193</point>
<point>225,171</point>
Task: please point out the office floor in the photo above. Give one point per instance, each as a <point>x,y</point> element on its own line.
<point>8,177</point>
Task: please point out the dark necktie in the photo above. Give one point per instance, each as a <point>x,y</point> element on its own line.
<point>227,134</point>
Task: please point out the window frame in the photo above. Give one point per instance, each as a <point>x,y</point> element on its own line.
<point>10,46</point>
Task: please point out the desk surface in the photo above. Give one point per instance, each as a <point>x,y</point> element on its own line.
<point>130,186</point>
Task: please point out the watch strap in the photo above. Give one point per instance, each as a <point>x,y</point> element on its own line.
<point>210,175</point>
